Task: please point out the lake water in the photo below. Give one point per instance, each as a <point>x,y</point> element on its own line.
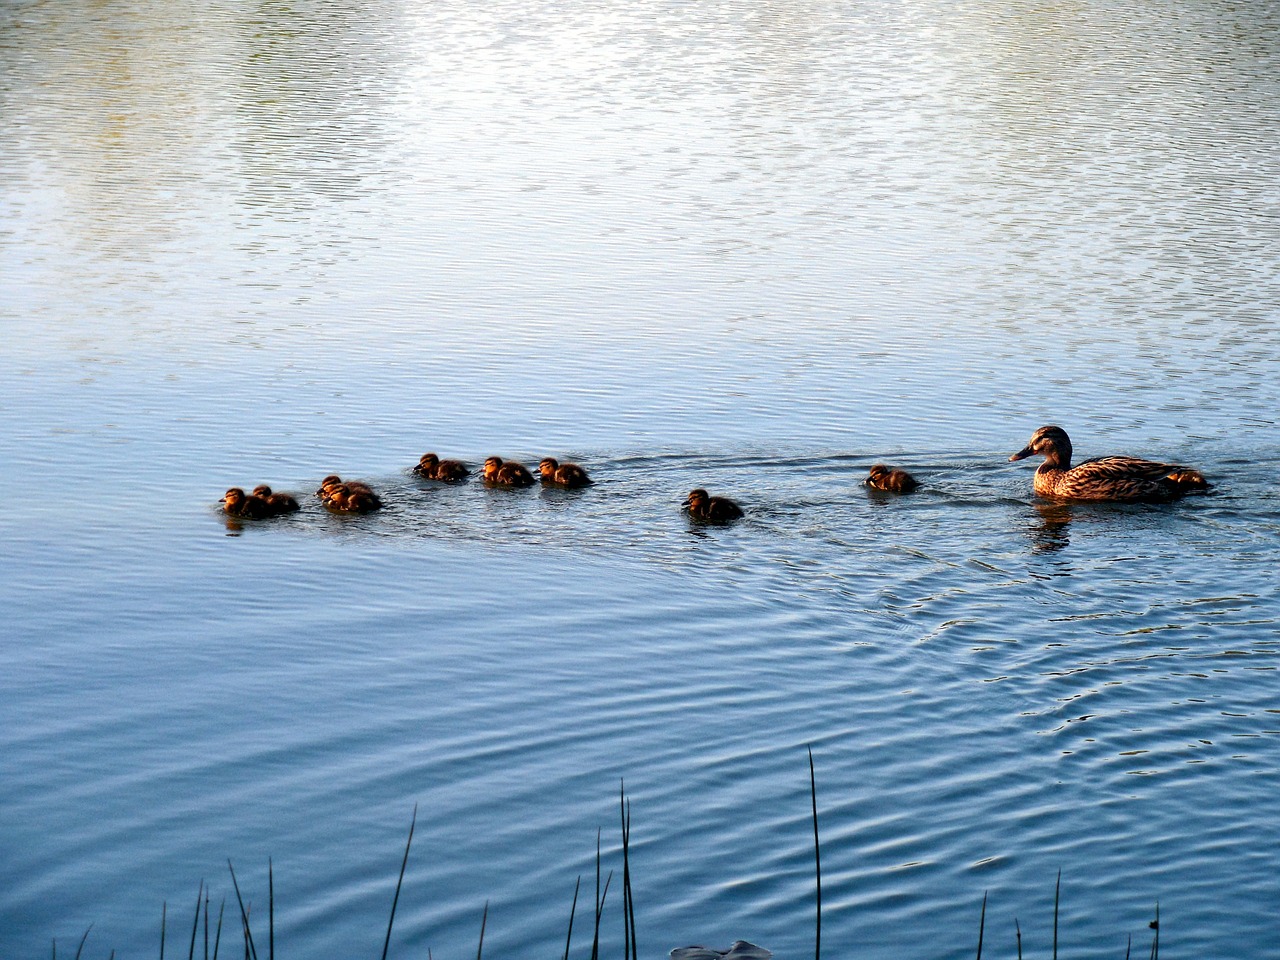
<point>755,247</point>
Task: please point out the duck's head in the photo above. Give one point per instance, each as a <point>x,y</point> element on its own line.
<point>878,472</point>
<point>262,490</point>
<point>332,480</point>
<point>1050,442</point>
<point>696,497</point>
<point>547,466</point>
<point>429,460</point>
<point>491,465</point>
<point>233,496</point>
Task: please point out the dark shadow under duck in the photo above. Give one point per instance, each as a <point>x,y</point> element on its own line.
<point>431,467</point>
<point>567,475</point>
<point>890,480</point>
<point>1104,479</point>
<point>708,509</point>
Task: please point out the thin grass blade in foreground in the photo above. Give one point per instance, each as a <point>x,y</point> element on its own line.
<point>195,923</point>
<point>244,914</point>
<point>396,899</point>
<point>1057,895</point>
<point>217,937</point>
<point>80,948</point>
<point>1155,925</point>
<point>982,924</point>
<point>572,910</point>
<point>483,921</point>
<point>628,903</point>
<point>817,860</point>
<point>164,918</point>
<point>271,910</point>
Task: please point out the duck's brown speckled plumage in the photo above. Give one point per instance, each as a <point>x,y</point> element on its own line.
<point>431,467</point>
<point>556,474</point>
<point>890,480</point>
<point>1119,479</point>
<point>708,509</point>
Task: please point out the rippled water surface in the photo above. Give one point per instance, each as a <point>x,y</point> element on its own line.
<point>755,247</point>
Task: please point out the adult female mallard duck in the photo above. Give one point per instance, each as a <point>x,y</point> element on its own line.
<point>278,502</point>
<point>890,479</point>
<point>1121,479</point>
<point>556,474</point>
<point>236,503</point>
<point>431,467</point>
<point>506,474</point>
<point>701,506</point>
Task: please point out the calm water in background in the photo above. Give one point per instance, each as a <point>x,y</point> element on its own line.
<point>754,247</point>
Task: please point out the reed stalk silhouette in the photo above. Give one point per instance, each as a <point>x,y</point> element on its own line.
<point>630,943</point>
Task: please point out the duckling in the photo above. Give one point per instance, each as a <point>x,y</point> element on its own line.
<point>352,498</point>
<point>701,506</point>
<point>1124,479</point>
<point>235,503</point>
<point>349,496</point>
<point>506,474</point>
<point>431,467</point>
<point>278,502</point>
<point>327,485</point>
<point>556,474</point>
<point>890,480</point>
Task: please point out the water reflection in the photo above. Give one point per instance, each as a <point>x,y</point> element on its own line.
<point>314,84</point>
<point>1050,533</point>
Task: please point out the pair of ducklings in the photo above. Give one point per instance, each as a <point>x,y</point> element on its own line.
<point>262,504</point>
<point>504,474</point>
<point>703,507</point>
<point>347,496</point>
<point>1116,479</point>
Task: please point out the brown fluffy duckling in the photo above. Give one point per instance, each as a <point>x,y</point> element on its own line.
<point>556,474</point>
<point>701,506</point>
<point>498,473</point>
<point>350,496</point>
<point>431,467</point>
<point>1120,479</point>
<point>278,502</point>
<point>890,479</point>
<point>236,503</point>
<point>327,485</point>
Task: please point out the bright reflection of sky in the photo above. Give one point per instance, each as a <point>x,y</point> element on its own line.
<point>774,186</point>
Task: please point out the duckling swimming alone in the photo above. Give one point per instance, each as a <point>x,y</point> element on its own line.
<point>511,475</point>
<point>556,474</point>
<point>701,506</point>
<point>431,467</point>
<point>278,502</point>
<point>890,480</point>
<point>236,503</point>
<point>1119,479</point>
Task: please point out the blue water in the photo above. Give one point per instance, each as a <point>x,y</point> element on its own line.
<point>755,248</point>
